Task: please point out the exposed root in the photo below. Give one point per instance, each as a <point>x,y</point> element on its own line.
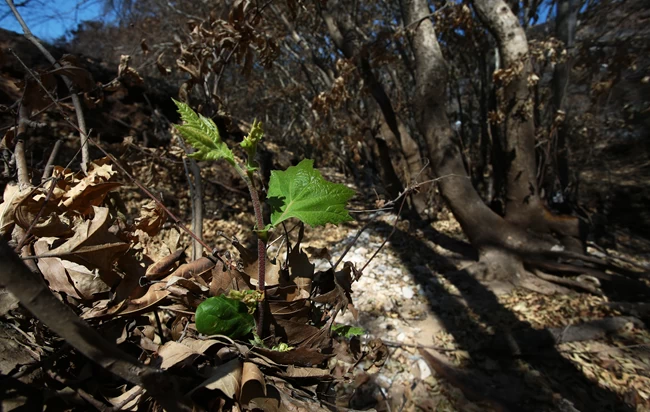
<point>537,284</point>
<point>580,283</point>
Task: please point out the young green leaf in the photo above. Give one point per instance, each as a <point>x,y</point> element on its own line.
<point>301,192</point>
<point>347,331</point>
<point>203,135</point>
<point>249,144</point>
<point>220,315</point>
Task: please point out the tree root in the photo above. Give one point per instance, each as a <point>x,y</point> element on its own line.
<point>580,283</point>
<point>529,342</point>
<point>639,309</point>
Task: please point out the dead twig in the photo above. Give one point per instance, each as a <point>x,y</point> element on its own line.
<point>36,297</point>
<point>19,149</point>
<point>196,194</point>
<point>81,121</point>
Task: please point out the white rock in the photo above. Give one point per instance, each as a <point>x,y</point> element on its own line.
<point>425,371</point>
<point>407,292</point>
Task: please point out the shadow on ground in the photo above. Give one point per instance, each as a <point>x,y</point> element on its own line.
<point>527,381</point>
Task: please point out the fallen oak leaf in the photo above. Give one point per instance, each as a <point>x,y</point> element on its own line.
<point>156,293</point>
<point>164,265</point>
<point>92,242</point>
<point>226,378</point>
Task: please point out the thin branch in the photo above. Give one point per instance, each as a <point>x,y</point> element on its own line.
<point>49,166</point>
<point>85,157</point>
<point>19,149</point>
<point>196,196</point>
<point>36,297</point>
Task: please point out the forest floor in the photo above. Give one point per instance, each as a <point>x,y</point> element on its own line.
<point>413,295</point>
<point>449,338</point>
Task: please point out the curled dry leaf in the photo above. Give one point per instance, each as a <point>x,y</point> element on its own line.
<point>92,189</point>
<point>253,383</point>
<point>68,277</point>
<point>164,265</point>
<point>12,197</point>
<point>92,243</point>
<point>156,293</point>
<point>378,352</point>
<point>151,219</point>
<point>225,378</point>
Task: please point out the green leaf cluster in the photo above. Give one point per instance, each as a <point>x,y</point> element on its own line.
<point>300,191</point>
<point>203,135</point>
<point>303,193</point>
<point>220,315</point>
<point>249,144</point>
<point>347,331</point>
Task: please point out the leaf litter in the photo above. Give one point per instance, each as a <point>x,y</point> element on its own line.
<point>131,275</point>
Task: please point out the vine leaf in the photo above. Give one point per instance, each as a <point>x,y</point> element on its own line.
<point>301,192</point>
<point>220,315</point>
<point>203,135</point>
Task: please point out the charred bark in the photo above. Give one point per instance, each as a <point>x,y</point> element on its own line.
<point>565,27</point>
<point>342,30</point>
<point>523,207</point>
<point>503,245</point>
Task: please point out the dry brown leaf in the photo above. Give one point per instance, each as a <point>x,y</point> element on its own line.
<point>173,353</point>
<point>151,219</point>
<point>155,294</point>
<point>272,402</point>
<point>74,280</point>
<point>226,378</point>
<point>11,199</point>
<point>299,356</point>
<point>81,78</point>
<point>294,332</point>
<point>164,266</point>
<point>92,243</point>
<point>50,226</point>
<point>299,372</point>
<point>300,268</point>
<point>253,383</point>
<point>134,393</point>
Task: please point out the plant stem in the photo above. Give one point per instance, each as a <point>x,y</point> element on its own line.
<point>261,245</point>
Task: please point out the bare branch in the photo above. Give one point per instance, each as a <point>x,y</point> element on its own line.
<point>85,156</point>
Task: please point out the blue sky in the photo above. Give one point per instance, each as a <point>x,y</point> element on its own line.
<point>50,19</point>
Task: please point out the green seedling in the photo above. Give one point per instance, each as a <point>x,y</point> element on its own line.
<point>299,192</point>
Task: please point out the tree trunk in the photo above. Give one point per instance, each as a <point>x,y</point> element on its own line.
<point>342,30</point>
<point>565,27</point>
<point>479,223</point>
<point>524,207</point>
<point>503,246</point>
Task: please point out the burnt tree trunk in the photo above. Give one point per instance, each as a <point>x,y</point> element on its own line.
<point>503,244</point>
<point>523,207</point>
<point>565,27</point>
<point>344,34</point>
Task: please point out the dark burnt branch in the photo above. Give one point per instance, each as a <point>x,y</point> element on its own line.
<point>34,295</point>
<point>85,157</point>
